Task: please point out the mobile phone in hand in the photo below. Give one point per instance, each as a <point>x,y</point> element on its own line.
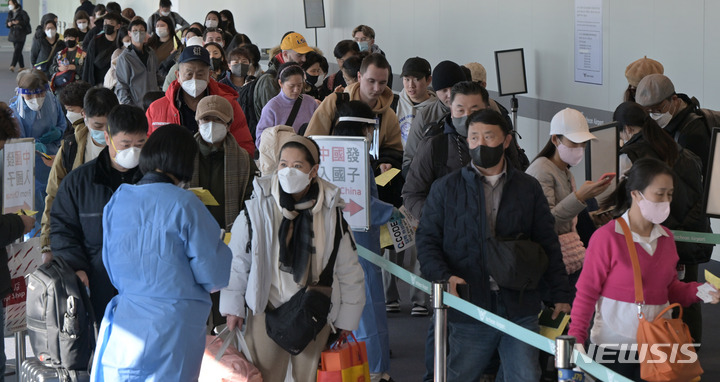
<point>607,176</point>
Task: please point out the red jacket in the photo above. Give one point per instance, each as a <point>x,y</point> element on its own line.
<point>164,111</point>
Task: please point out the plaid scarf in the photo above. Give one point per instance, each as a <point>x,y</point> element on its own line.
<point>296,234</point>
<point>237,177</point>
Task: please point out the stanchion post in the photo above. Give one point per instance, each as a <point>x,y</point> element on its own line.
<point>20,353</point>
<point>440,372</point>
<point>564,346</point>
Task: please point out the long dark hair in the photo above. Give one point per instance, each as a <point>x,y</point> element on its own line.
<point>640,175</point>
<point>154,40</point>
<point>632,114</point>
<point>549,150</point>
<point>230,25</point>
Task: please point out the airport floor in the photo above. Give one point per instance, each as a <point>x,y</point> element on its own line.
<point>407,334</point>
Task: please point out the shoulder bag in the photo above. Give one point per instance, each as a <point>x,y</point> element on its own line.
<point>294,324</point>
<point>664,363</point>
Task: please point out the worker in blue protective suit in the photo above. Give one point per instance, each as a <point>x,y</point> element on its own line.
<point>40,116</point>
<point>357,119</point>
<point>163,252</point>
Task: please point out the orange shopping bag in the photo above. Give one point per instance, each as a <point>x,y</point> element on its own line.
<point>345,361</point>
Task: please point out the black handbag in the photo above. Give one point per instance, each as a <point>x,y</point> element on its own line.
<point>515,263</point>
<point>294,324</point>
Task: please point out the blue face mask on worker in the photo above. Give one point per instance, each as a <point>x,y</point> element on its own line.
<point>98,136</point>
<point>363,45</point>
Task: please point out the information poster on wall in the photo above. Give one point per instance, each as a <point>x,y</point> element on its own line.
<point>18,169</point>
<point>344,163</point>
<point>588,41</point>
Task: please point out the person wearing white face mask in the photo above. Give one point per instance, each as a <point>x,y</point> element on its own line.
<point>165,10</point>
<point>221,167</point>
<point>676,113</point>
<point>193,83</point>
<point>76,215</point>
<point>569,133</point>
<point>297,205</point>
<point>18,22</point>
<point>40,116</point>
<point>164,42</point>
<point>82,24</point>
<point>84,145</point>
<point>136,68</point>
<point>645,139</point>
<point>45,46</point>
<point>606,288</point>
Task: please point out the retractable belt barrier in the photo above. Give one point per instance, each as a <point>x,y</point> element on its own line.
<point>535,339</point>
<point>696,237</point>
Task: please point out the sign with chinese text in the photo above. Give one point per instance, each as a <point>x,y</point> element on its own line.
<point>18,169</point>
<point>344,163</point>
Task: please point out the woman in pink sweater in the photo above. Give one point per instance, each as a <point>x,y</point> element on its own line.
<point>605,286</point>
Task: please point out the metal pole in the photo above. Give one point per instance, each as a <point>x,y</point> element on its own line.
<point>514,111</point>
<point>564,346</point>
<point>19,351</point>
<point>440,372</point>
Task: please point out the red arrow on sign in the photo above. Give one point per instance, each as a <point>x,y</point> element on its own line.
<point>353,207</point>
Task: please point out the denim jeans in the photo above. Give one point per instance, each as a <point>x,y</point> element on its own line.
<point>472,345</point>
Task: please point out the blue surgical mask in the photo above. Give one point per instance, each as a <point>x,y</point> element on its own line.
<point>363,45</point>
<point>98,136</point>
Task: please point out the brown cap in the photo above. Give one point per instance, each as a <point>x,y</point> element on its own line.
<point>479,74</point>
<point>641,68</point>
<point>215,106</point>
<point>653,89</point>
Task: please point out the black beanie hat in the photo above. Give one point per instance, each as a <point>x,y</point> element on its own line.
<point>446,74</point>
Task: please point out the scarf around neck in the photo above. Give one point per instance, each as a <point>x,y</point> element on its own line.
<point>296,233</point>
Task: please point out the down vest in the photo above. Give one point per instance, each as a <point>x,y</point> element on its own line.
<point>450,238</point>
<point>164,111</point>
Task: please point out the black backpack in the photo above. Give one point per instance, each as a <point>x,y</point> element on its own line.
<point>60,319</point>
<point>246,100</point>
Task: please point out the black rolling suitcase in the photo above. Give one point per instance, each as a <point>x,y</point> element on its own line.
<point>32,370</point>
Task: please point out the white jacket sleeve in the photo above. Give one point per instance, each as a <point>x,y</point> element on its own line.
<point>350,284</point>
<point>232,298</point>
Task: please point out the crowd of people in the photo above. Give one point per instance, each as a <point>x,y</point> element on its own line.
<point>127,113</point>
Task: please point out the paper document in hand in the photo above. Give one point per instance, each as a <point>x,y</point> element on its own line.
<point>552,328</point>
<point>205,196</point>
<point>712,279</point>
<point>386,177</point>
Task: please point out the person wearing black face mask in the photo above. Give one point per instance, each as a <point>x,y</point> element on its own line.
<point>100,50</point>
<point>315,65</point>
<point>489,198</point>
<point>70,59</point>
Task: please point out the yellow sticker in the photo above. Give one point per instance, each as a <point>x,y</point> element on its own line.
<point>205,196</point>
<point>385,239</point>
<point>226,239</point>
<point>712,279</point>
<point>386,177</point>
